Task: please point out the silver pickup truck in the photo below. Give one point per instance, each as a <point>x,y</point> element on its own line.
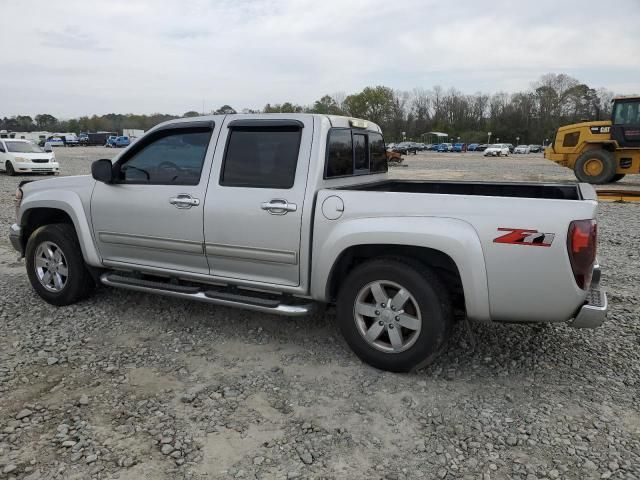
<point>276,213</point>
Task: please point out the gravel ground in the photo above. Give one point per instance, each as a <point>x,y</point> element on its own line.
<point>134,386</point>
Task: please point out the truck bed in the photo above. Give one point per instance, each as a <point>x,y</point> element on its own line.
<point>522,190</point>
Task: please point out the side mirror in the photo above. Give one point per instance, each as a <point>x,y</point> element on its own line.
<point>47,147</point>
<point>102,171</point>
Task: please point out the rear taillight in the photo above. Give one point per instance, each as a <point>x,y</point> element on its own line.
<point>581,244</point>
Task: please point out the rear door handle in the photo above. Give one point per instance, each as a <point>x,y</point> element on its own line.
<point>184,200</point>
<point>278,206</point>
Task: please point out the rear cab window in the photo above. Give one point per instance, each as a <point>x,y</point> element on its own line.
<point>353,152</point>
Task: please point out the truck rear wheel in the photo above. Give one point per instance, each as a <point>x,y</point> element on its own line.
<point>394,315</point>
<point>55,265</point>
<point>595,166</point>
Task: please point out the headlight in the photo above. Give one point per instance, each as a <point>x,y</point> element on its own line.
<point>20,159</point>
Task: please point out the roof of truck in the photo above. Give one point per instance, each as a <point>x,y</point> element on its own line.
<point>335,120</point>
<point>627,97</point>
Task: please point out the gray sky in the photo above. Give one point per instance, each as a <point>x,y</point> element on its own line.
<point>78,57</point>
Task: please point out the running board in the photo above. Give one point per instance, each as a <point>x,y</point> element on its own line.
<point>216,297</point>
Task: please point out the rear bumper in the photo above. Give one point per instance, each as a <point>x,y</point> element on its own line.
<point>15,236</point>
<point>593,313</point>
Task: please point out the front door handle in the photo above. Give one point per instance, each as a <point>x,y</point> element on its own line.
<point>278,206</point>
<point>184,200</point>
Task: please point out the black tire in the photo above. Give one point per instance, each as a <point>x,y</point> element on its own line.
<point>8,167</point>
<point>605,159</point>
<point>78,283</point>
<point>428,292</point>
<point>617,177</point>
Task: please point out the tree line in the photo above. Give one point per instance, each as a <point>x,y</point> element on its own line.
<point>532,115</point>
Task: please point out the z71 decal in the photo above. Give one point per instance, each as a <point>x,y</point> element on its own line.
<point>522,236</point>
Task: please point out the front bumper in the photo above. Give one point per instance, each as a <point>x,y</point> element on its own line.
<point>593,313</point>
<point>15,236</point>
<point>32,167</point>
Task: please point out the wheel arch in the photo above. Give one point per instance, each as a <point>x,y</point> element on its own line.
<point>449,246</point>
<point>609,146</point>
<point>440,262</point>
<point>36,213</point>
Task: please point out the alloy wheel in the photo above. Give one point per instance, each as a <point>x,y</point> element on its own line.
<point>387,316</point>
<point>51,266</point>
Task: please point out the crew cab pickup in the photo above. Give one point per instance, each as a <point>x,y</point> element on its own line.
<point>278,213</point>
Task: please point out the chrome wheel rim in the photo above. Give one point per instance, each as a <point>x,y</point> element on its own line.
<point>387,316</point>
<point>51,266</point>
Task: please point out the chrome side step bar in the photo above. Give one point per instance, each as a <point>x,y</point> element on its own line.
<point>226,299</point>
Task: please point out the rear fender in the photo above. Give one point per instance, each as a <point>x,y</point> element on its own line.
<point>453,237</point>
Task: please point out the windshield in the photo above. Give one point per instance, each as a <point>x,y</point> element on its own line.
<point>23,147</point>
<point>496,145</point>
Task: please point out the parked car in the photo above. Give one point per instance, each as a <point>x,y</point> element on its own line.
<point>522,149</point>
<point>53,140</point>
<point>406,148</point>
<point>118,142</point>
<point>481,147</point>
<point>460,147</point>
<point>304,225</point>
<point>497,150</point>
<point>510,147</point>
<point>445,147</point>
<point>111,141</point>
<point>472,147</point>
<point>434,147</point>
<point>23,156</point>
<point>535,148</point>
<point>71,140</point>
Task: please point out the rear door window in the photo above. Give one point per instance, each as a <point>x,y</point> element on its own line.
<point>261,157</point>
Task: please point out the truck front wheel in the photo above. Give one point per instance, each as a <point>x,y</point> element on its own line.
<point>55,265</point>
<point>394,315</point>
<point>595,166</point>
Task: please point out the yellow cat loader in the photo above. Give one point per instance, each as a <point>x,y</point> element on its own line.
<point>603,151</point>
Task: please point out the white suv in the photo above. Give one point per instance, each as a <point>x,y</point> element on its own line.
<point>22,156</point>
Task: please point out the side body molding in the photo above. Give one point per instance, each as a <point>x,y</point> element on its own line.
<point>456,238</point>
<point>70,203</point>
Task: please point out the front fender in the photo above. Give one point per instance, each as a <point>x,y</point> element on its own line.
<point>70,203</point>
<point>453,237</point>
